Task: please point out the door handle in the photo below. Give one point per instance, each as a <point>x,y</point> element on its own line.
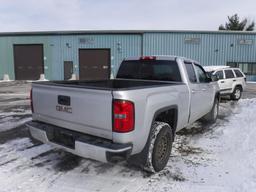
<point>234,80</point>
<point>193,91</point>
<point>222,82</point>
<point>203,89</point>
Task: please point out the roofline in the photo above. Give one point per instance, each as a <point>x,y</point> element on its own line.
<point>84,32</point>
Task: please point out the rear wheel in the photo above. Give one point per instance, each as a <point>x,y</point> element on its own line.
<point>159,148</point>
<point>237,93</point>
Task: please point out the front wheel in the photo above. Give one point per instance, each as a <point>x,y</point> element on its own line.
<point>160,147</point>
<point>212,116</point>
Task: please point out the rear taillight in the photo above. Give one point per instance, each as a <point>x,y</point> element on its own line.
<point>31,101</point>
<point>123,116</point>
<point>148,58</point>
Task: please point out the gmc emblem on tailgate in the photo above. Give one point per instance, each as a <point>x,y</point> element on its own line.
<point>66,109</point>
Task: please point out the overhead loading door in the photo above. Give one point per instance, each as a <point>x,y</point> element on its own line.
<point>94,64</point>
<point>28,61</point>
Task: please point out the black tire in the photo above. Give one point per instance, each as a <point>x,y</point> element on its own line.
<point>237,93</point>
<point>159,148</point>
<point>212,116</point>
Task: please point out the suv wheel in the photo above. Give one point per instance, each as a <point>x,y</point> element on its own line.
<point>237,93</point>
<point>160,147</point>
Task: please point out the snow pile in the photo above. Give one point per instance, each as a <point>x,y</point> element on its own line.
<point>239,147</point>
<point>220,158</point>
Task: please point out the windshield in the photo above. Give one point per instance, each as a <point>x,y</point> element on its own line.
<point>162,70</point>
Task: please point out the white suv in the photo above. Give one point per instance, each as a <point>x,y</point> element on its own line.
<point>231,80</point>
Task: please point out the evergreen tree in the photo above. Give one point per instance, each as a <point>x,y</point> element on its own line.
<point>234,24</point>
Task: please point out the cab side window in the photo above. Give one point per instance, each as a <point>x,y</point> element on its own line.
<point>229,74</point>
<point>201,74</point>
<point>219,74</point>
<point>191,72</point>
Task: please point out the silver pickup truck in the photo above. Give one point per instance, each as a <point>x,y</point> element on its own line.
<point>133,117</point>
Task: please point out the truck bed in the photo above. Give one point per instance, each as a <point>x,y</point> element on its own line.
<point>112,85</point>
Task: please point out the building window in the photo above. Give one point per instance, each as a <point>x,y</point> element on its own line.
<point>248,68</point>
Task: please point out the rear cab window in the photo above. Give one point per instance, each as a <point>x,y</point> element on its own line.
<point>162,70</point>
<point>229,74</point>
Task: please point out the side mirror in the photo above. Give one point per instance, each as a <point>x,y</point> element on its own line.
<point>214,77</point>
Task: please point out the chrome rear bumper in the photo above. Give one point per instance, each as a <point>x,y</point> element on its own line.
<point>83,145</point>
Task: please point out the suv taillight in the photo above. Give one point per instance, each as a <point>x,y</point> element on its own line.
<point>123,116</point>
<point>31,101</point>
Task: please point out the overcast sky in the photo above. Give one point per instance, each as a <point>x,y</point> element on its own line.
<point>43,15</point>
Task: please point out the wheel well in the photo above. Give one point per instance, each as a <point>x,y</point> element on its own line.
<point>170,116</point>
<point>240,86</point>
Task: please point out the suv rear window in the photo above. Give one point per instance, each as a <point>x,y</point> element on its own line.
<point>238,73</point>
<point>162,70</point>
<point>229,74</point>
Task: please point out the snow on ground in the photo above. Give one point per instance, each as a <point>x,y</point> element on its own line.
<point>14,105</point>
<point>218,158</point>
<point>209,158</point>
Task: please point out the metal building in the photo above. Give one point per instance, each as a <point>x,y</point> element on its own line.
<point>97,54</point>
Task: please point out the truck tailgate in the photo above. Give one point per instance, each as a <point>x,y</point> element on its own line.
<point>84,110</point>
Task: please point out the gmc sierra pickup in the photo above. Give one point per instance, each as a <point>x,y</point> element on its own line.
<point>134,116</point>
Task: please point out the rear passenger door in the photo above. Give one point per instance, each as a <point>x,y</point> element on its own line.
<point>195,110</point>
<point>221,81</point>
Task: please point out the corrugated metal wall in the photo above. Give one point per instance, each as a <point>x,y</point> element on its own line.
<point>65,48</point>
<point>6,52</point>
<point>206,47</point>
<point>58,49</point>
<point>212,49</point>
